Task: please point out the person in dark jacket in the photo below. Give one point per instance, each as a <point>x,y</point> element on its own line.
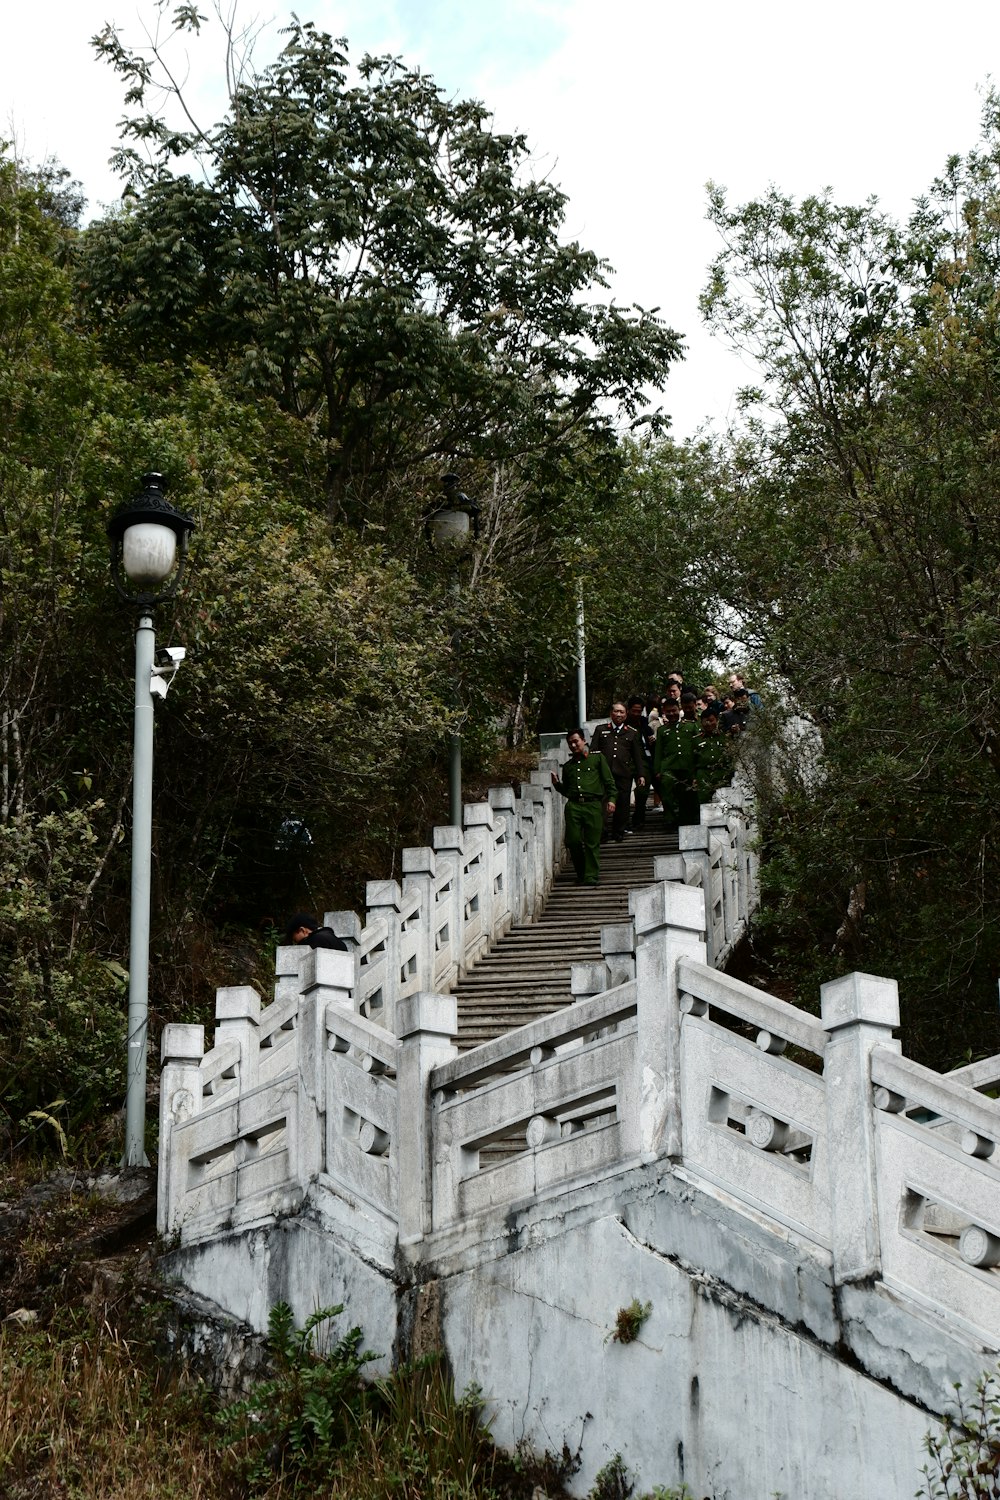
<point>636,719</point>
<point>306,930</point>
<point>620,745</point>
<point>713,761</point>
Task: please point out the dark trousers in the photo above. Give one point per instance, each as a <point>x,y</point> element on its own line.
<point>680,802</point>
<point>583,839</point>
<point>639,812</point>
<point>618,821</point>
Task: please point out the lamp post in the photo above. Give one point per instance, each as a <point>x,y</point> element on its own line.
<point>452,530</point>
<point>149,540</point>
<point>581,658</point>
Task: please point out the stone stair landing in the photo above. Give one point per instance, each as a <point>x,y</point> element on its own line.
<point>527,974</point>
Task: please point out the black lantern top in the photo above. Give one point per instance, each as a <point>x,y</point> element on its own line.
<point>146,533</point>
<point>451,520</point>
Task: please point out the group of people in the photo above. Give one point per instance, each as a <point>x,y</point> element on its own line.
<point>679,749</point>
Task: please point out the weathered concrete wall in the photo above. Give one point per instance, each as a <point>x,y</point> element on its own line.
<point>752,1377</point>
<point>747,1380</point>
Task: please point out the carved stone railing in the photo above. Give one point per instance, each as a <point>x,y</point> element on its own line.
<point>245,1127</point>
<point>815,1125</point>
<point>304,1090</point>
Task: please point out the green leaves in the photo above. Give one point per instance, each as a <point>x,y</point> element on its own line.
<point>859,553</point>
<point>378,261</point>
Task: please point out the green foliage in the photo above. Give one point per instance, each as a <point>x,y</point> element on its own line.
<point>62,1013</point>
<point>373,257</point>
<point>857,555</point>
<point>294,1423</point>
<point>629,1321</point>
<point>613,1482</point>
<point>964,1457</point>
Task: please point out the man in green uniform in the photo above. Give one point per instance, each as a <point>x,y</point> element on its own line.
<point>673,766</point>
<point>587,784</point>
<point>712,759</point>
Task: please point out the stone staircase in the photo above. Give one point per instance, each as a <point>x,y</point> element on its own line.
<point>527,974</point>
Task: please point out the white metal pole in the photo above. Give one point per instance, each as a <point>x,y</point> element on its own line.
<point>455,809</point>
<point>581,659</point>
<point>142,841</point>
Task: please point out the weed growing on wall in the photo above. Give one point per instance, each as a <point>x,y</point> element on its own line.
<point>629,1321</point>
<point>964,1457</point>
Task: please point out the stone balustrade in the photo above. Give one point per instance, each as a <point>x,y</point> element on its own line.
<point>685,1132</point>
<point>883,1167</point>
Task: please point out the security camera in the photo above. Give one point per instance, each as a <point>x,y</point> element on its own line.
<point>162,674</point>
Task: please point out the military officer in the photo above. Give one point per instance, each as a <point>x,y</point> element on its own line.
<point>712,758</point>
<point>620,745</point>
<point>673,765</point>
<point>587,784</point>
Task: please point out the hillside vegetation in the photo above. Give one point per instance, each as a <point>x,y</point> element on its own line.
<point>304,315</point>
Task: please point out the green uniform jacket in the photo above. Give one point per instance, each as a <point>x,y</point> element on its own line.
<point>713,763</point>
<point>673,754</point>
<point>588,779</point>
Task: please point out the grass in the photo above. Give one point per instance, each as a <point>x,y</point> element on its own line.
<point>91,1410</point>
<point>85,1414</point>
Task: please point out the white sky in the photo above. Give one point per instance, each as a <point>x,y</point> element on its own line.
<point>631,108</point>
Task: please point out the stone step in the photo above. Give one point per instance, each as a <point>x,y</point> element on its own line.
<point>527,974</point>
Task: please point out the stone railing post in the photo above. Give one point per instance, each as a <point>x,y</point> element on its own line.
<point>618,950</point>
<point>701,847</point>
<point>859,1012</point>
<point>327,979</point>
<point>503,803</point>
<point>723,827</point>
<point>237,1019</point>
<point>419,869</point>
<point>383,899</point>
<point>449,851</point>
<point>670,867</point>
<point>426,1026</point>
<point>540,854</point>
<point>669,924</point>
<point>529,862</point>
<point>288,963</point>
<point>479,823</point>
<point>182,1048</point>
<point>545,825</point>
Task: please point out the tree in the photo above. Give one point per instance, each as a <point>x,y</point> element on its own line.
<point>861,556</point>
<point>377,260</point>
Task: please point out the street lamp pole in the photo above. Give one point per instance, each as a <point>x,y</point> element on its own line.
<point>581,658</point>
<point>142,862</point>
<point>453,529</point>
<point>146,534</point>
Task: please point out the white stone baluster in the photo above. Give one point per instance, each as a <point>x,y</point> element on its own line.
<point>426,1026</point>
<point>618,948</point>
<point>449,850</point>
<point>237,1015</point>
<point>859,1011</point>
<point>327,979</point>
<point>182,1048</point>
<point>503,803</point>
<point>382,899</point>
<point>669,925</point>
<point>419,869</point>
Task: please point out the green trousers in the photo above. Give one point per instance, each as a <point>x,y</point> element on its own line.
<point>680,803</point>
<point>584,821</point>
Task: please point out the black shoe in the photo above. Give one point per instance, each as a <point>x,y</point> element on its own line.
<point>619,838</point>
